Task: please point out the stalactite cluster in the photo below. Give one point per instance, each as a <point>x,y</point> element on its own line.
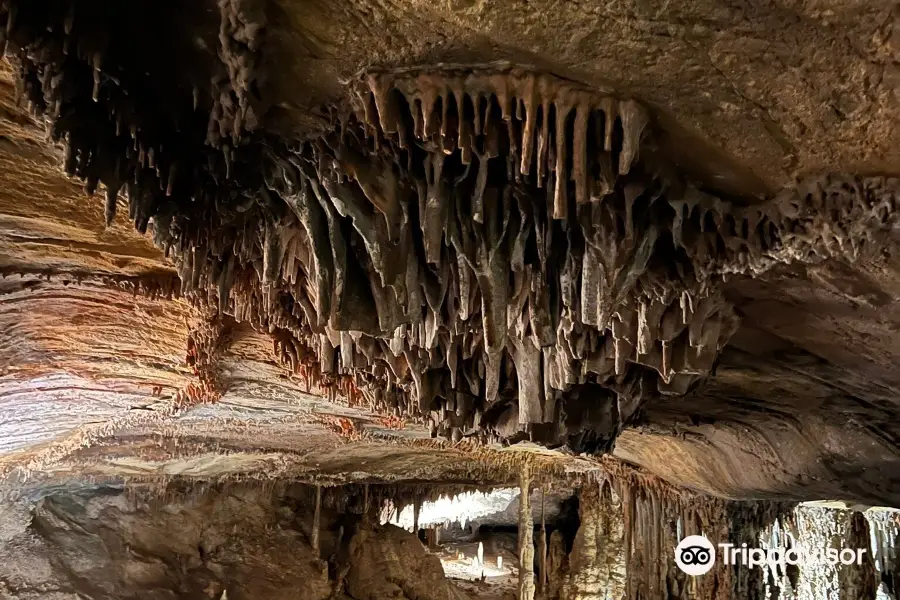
<point>165,138</point>
<point>484,248</point>
<point>656,516</point>
<point>812,529</point>
<point>468,258</point>
<point>205,343</point>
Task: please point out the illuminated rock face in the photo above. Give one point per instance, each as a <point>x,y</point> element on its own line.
<point>482,287</point>
<point>520,250</point>
<point>485,248</point>
<point>482,251</point>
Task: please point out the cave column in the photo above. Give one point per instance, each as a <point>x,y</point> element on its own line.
<point>366,502</point>
<point>317,515</point>
<point>542,559</point>
<point>526,534</point>
<point>860,579</point>
<point>597,562</point>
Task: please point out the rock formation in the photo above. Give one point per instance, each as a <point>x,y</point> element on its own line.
<point>550,292</point>
<point>376,243</point>
<point>234,542</point>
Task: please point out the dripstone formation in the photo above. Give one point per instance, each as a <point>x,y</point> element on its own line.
<point>495,250</point>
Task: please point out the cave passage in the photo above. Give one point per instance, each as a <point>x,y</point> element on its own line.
<point>436,330</point>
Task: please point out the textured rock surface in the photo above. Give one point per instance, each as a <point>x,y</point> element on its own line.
<point>812,529</point>
<point>238,542</point>
<point>597,561</point>
<point>605,281</point>
<point>391,563</point>
<point>782,87</point>
<point>330,234</point>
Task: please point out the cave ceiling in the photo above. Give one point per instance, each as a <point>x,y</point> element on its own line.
<point>362,240</point>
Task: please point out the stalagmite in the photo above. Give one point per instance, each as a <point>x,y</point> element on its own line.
<point>526,531</point>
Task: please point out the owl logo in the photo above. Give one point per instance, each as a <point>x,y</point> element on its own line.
<point>695,555</point>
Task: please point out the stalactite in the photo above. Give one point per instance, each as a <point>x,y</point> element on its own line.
<point>656,516</point>
<point>814,529</point>
<point>487,249</point>
<point>366,501</point>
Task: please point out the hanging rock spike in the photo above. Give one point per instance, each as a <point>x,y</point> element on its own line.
<point>476,247</point>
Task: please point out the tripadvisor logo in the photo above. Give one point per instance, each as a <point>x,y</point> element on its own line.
<point>695,555</point>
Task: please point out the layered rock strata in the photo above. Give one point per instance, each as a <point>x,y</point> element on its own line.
<point>497,251</point>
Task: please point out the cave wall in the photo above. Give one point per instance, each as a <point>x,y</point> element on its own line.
<point>235,541</point>
<point>624,547</point>
<point>561,163</point>
<point>254,539</point>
